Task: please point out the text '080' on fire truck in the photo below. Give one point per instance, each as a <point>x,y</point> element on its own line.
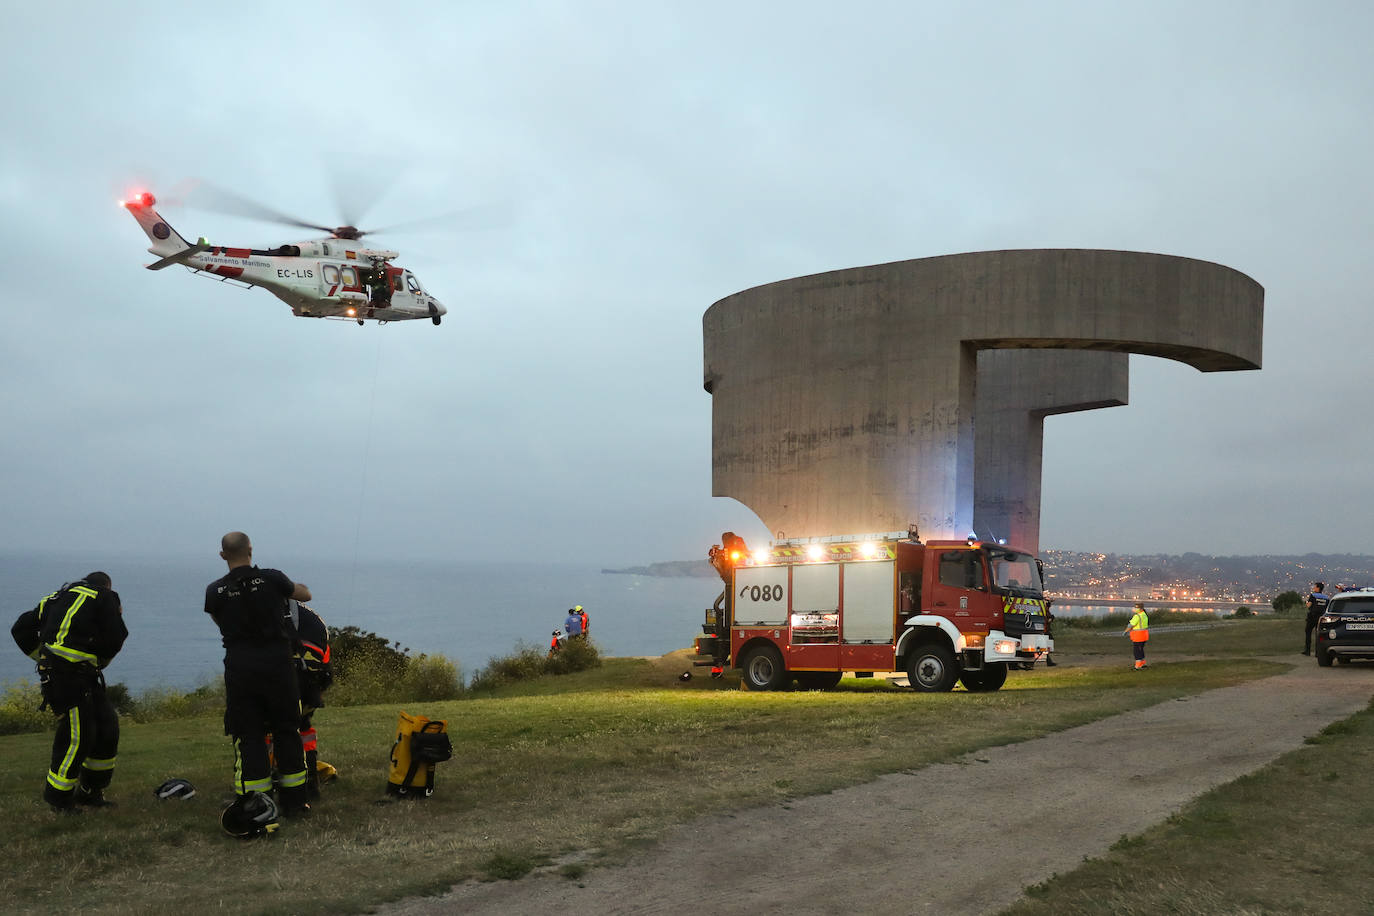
<point>940,611</point>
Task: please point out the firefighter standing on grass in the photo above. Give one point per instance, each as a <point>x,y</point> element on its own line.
<point>314,674</point>
<point>73,634</point>
<point>1139,632</point>
<point>249,605</point>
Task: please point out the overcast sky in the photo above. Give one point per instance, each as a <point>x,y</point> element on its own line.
<point>626,165</point>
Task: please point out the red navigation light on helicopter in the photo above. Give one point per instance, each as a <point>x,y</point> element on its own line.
<point>141,199</point>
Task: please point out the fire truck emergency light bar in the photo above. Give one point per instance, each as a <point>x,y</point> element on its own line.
<point>843,539</point>
<point>786,551</point>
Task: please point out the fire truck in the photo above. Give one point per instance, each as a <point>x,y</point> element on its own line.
<point>810,610</point>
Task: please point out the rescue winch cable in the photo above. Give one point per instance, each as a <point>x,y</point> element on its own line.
<point>362,484</point>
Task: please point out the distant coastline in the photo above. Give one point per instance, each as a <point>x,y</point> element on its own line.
<point>673,569</point>
<point>1180,580</point>
<point>1161,603</point>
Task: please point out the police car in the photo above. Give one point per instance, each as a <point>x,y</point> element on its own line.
<point>1346,629</point>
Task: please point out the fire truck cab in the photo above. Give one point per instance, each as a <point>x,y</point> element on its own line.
<point>940,611</point>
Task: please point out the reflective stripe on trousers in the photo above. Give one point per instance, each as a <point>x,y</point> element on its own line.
<point>243,786</point>
<point>292,780</point>
<point>62,778</point>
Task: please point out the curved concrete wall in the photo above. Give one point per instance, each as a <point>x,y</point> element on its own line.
<point>843,402</point>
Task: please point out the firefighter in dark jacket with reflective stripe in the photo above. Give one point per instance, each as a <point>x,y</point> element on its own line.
<point>262,697</point>
<point>313,675</point>
<point>73,634</point>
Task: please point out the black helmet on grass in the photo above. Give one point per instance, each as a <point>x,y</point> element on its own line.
<point>176,787</point>
<point>251,815</point>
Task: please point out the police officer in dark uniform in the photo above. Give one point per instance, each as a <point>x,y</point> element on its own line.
<point>74,633</point>
<point>261,693</point>
<point>1316,607</point>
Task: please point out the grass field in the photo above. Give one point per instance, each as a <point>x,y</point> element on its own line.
<point>1292,837</point>
<point>570,771</point>
<point>1248,638</point>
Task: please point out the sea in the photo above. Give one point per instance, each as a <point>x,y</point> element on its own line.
<point>468,612</point>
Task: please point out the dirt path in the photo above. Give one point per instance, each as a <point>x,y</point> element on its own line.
<point>952,838</point>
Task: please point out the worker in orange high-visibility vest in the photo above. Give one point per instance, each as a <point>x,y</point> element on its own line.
<point>1139,632</point>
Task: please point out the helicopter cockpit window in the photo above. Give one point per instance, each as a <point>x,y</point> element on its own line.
<point>350,277</point>
<point>413,284</point>
<point>331,274</point>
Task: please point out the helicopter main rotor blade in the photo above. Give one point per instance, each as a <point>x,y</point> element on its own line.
<point>467,218</point>
<point>206,196</point>
<point>354,197</point>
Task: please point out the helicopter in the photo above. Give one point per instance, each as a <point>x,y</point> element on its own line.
<point>335,277</point>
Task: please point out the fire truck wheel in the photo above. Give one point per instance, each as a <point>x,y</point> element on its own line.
<point>764,670</point>
<point>992,677</point>
<point>818,680</point>
<point>931,668</point>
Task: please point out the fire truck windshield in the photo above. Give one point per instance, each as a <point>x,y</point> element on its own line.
<point>1015,572</point>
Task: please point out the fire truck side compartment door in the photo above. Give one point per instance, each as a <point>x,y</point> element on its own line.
<point>760,596</point>
<point>868,603</point>
<point>816,588</point>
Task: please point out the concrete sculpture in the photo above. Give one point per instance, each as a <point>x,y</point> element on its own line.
<point>843,402</point>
